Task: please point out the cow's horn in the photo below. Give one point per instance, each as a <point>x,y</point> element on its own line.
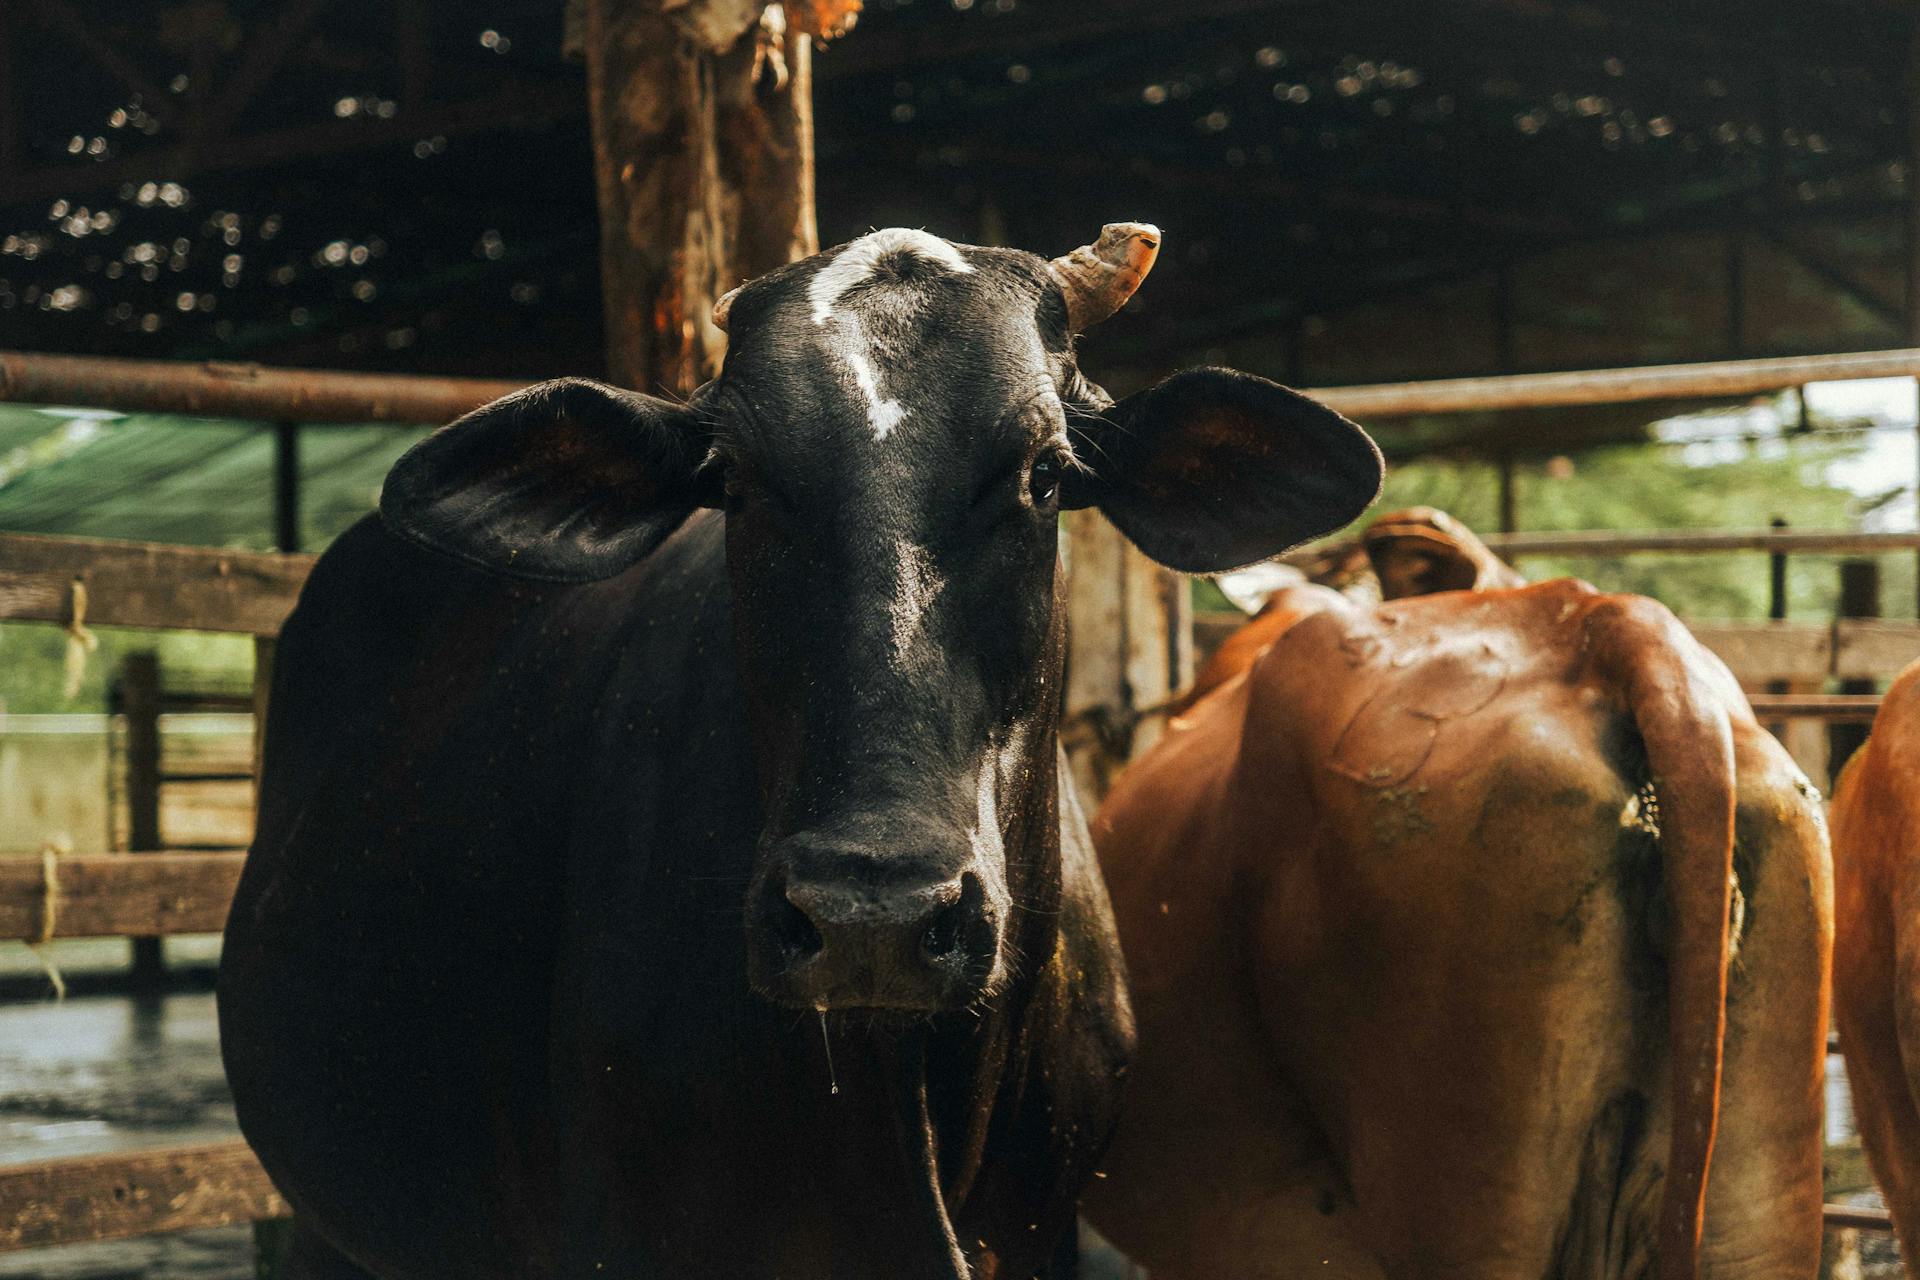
<point>722,307</point>
<point>1098,278</point>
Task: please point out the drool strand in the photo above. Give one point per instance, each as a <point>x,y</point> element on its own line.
<point>826,1042</point>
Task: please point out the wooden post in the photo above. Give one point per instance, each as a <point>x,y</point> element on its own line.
<point>703,155</point>
<point>1129,649</point>
<point>263,647</point>
<point>1859,598</point>
<point>140,704</point>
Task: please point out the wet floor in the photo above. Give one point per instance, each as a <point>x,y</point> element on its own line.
<point>102,1074</point>
<point>107,1073</point>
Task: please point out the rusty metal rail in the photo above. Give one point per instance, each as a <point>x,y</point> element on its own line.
<point>222,390</point>
<point>309,395</point>
<point>1709,381</point>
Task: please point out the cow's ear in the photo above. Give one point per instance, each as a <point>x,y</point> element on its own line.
<point>567,481</point>
<point>1213,469</point>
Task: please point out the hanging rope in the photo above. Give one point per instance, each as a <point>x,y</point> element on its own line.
<point>50,854</point>
<point>80,641</point>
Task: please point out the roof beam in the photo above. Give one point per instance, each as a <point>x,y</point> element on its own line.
<point>522,109</point>
<point>59,15</point>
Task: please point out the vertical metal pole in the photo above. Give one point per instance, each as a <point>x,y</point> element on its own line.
<point>1504,355</point>
<point>286,486</point>
<point>1777,612</point>
<point>1859,598</point>
<point>1736,293</point>
<point>1777,578</point>
<point>140,703</point>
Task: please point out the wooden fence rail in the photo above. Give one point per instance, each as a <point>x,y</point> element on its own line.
<point>112,895</point>
<point>112,1197</point>
<point>190,1188</point>
<point>147,584</point>
<point>1607,542</point>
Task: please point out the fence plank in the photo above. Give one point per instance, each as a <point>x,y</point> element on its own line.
<point>145,584</point>
<point>112,1197</point>
<point>1761,651</point>
<point>114,894</point>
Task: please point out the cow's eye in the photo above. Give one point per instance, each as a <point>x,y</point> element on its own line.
<point>1043,482</point>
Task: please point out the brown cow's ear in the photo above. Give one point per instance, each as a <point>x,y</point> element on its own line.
<point>1213,469</point>
<point>568,481</point>
<point>1423,550</point>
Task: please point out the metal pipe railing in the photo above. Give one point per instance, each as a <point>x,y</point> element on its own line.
<point>310,395</point>
<point>1615,386</point>
<point>223,390</point>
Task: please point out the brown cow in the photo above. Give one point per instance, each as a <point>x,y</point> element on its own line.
<point>1876,955</point>
<point>1426,917</point>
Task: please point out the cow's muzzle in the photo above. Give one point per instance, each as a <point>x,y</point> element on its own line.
<point>847,929</point>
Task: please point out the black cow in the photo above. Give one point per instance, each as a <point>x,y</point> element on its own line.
<point>649,891</point>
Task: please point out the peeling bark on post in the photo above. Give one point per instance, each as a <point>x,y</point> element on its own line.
<point>703,156</point>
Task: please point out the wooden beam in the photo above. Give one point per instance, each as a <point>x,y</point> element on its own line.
<point>143,584</point>
<point>263,57</point>
<point>1817,266</point>
<point>61,16</point>
<point>115,895</point>
<point>302,143</point>
<point>1610,542</point>
<point>1862,1219</point>
<point>65,1202</point>
<point>1842,708</point>
<point>1028,29</point>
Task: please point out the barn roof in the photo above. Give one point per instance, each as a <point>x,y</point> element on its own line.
<point>1412,188</point>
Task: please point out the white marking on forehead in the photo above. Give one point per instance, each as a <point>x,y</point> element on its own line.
<point>916,582</point>
<point>884,414</point>
<point>857,261</point>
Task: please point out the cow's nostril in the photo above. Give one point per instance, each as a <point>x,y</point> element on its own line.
<point>951,925</point>
<point>943,932</point>
<point>796,932</point>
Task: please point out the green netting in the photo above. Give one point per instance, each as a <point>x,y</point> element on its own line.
<point>168,478</point>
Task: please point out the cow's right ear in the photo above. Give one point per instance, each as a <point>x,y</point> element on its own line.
<point>567,481</point>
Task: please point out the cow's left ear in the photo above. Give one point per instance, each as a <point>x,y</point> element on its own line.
<point>567,481</point>
<point>1213,469</point>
